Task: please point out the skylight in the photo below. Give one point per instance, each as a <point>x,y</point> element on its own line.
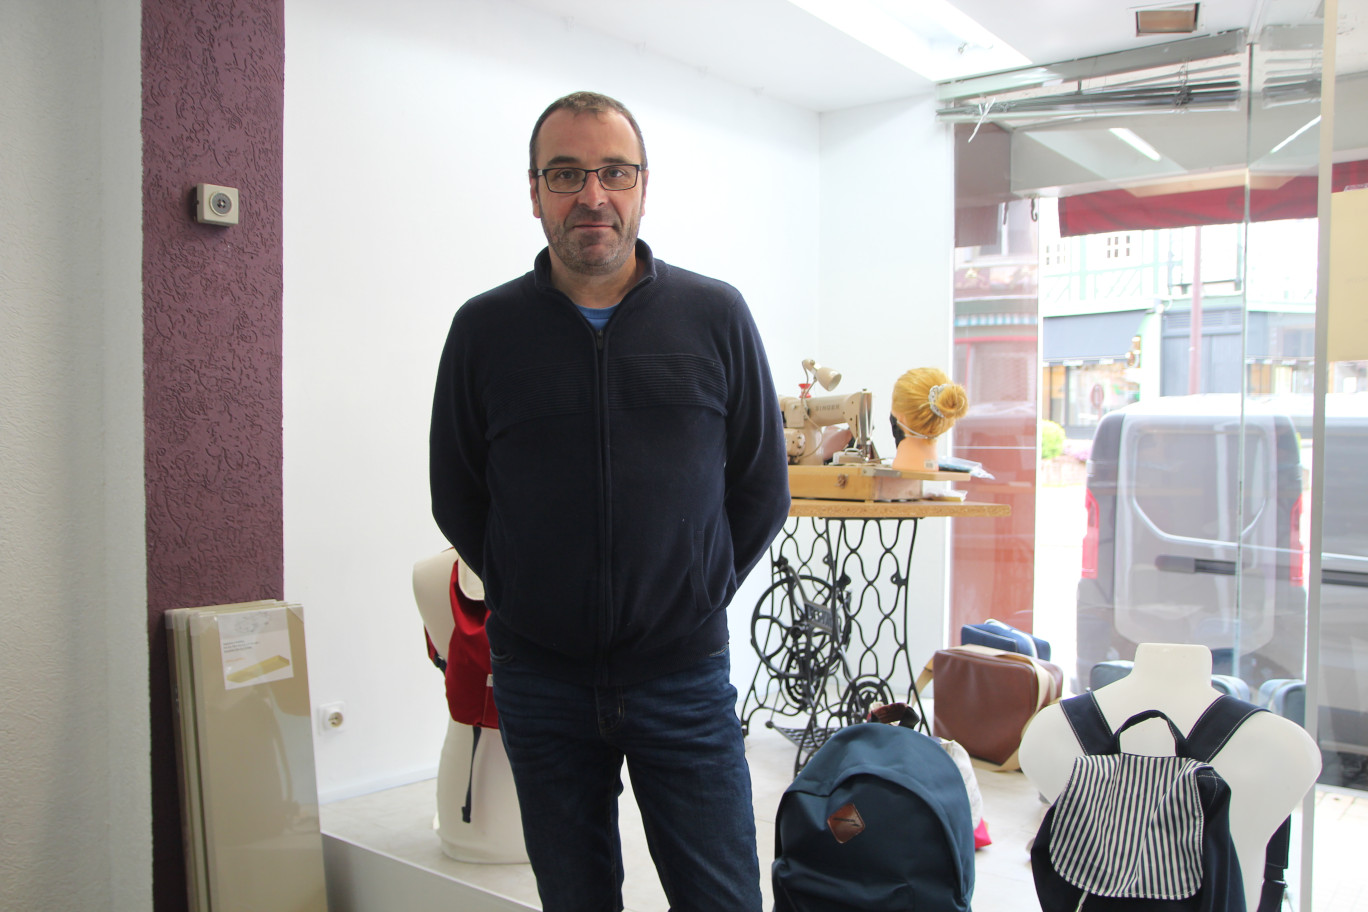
<point>929,37</point>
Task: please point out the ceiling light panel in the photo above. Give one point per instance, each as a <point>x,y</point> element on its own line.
<point>1129,137</point>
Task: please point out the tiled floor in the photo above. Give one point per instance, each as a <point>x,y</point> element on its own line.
<point>398,822</point>
<point>1341,828</point>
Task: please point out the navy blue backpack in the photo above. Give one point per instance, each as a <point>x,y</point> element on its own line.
<point>878,819</point>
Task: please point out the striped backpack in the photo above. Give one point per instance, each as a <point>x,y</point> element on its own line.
<point>1132,831</point>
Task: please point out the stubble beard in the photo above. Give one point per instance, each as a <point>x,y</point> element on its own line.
<point>580,258</point>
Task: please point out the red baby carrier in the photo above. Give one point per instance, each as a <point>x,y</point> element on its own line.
<point>469,677</point>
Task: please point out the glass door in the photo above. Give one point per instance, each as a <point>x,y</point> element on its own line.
<point>1144,226</point>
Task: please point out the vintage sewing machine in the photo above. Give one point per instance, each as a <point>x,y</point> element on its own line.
<point>830,452</point>
<point>820,430</point>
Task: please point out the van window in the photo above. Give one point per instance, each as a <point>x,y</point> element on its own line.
<point>1185,480</point>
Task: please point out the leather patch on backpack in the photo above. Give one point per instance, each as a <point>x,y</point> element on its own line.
<point>846,823</point>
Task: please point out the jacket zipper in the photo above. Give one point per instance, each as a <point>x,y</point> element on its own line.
<point>605,625</point>
<point>605,620</point>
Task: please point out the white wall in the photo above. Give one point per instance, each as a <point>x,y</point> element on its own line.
<point>405,193</point>
<point>387,231</point>
<point>75,798</point>
<point>887,236</point>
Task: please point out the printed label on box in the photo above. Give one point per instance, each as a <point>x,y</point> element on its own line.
<point>255,647</point>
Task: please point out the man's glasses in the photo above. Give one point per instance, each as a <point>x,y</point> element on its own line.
<point>572,180</point>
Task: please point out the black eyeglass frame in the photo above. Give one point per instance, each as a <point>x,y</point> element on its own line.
<point>584,175</point>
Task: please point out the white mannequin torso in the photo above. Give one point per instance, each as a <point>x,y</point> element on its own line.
<point>493,837</point>
<point>1270,762</point>
<point>432,592</point>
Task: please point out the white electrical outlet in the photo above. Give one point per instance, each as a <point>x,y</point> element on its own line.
<point>331,717</point>
<point>215,205</point>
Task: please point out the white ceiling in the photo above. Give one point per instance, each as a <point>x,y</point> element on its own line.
<point>775,48</point>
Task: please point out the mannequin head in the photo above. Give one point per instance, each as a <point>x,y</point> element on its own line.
<point>926,404</point>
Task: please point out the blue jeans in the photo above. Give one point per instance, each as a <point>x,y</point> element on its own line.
<point>682,742</point>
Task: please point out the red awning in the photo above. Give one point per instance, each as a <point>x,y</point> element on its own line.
<point>1109,211</point>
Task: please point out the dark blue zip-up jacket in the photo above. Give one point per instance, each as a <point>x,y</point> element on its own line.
<point>611,488</point>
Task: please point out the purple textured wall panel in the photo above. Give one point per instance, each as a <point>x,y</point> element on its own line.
<point>213,112</point>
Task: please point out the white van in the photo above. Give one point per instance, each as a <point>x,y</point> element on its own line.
<point>1195,535</point>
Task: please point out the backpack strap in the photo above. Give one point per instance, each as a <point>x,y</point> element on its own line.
<point>1095,736</point>
<point>1179,740</point>
<point>1089,726</point>
<point>1217,724</point>
<point>1275,868</point>
<point>1209,735</point>
<point>470,782</point>
<point>895,714</point>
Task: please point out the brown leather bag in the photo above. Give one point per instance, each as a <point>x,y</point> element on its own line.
<point>984,698</point>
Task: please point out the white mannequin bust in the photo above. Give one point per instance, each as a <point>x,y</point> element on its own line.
<point>1270,762</point>
<point>489,838</point>
<point>432,592</point>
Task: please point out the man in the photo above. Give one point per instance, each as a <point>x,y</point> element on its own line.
<point>607,455</point>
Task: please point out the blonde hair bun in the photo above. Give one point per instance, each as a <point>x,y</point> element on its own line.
<point>926,403</point>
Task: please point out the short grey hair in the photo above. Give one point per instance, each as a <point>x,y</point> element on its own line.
<point>580,103</point>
